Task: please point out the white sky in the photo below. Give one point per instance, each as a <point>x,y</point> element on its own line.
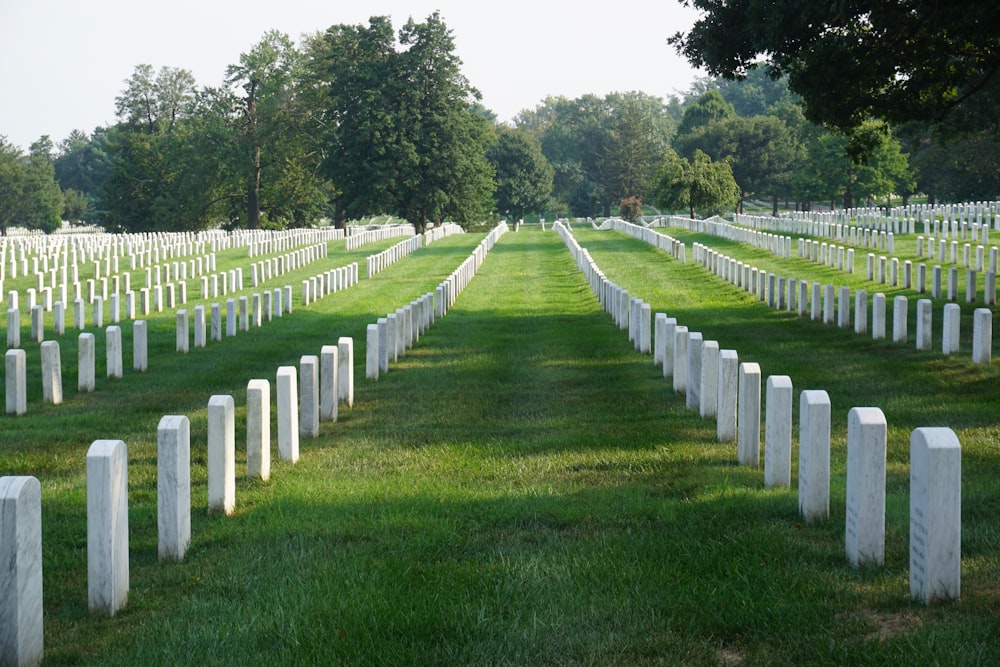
<point>63,62</point>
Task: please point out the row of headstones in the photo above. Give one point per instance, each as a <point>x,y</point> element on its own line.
<point>882,272</point>
<point>783,293</point>
<point>899,219</point>
<point>149,248</point>
<point>167,296</point>
<point>212,286</point>
<point>717,385</point>
<point>438,232</point>
<point>969,260</point>
<point>327,380</point>
<point>388,339</point>
<point>666,243</point>
<point>356,239</point>
<point>329,282</point>
<point>379,261</point>
<point>273,242</point>
<point>16,365</point>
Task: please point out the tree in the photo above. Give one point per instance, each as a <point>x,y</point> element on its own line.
<point>403,134</point>
<point>761,151</point>
<point>29,194</point>
<point>698,185</point>
<point>915,60</point>
<point>523,175</point>
<point>638,134</point>
<point>272,164</point>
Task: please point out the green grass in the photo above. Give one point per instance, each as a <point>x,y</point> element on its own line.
<point>521,488</point>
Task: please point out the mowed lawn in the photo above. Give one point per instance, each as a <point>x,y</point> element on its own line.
<point>523,487</point>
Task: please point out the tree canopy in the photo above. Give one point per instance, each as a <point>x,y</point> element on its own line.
<point>849,61</point>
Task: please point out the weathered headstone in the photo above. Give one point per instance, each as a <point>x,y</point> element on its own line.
<point>951,328</point>
<point>866,457</point>
<point>345,370</point>
<point>778,432</point>
<point>173,486</point>
<point>221,454</point>
<point>924,323</point>
<point>140,346</point>
<point>183,331</point>
<point>21,618</point>
<point>878,315</point>
<point>728,395</point>
<point>107,526</point>
<point>748,409</point>
<point>309,395</point>
<point>51,373</point>
<point>288,413</point>
<point>935,514</point>
<point>695,347</point>
<point>15,376</point>
<point>86,362</point>
<point>113,349</point>
<point>814,454</point>
<point>709,380</point>
<point>259,429</point>
<point>329,377</point>
<point>900,308</point>
<point>982,336</point>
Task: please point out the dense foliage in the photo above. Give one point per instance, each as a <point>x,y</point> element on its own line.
<point>362,120</point>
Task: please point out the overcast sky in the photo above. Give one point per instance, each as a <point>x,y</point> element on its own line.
<point>63,62</point>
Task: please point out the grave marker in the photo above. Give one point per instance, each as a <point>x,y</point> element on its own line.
<point>935,514</point>
<point>221,455</point>
<point>814,454</point>
<point>778,432</point>
<point>748,409</point>
<point>173,486</point>
<point>21,618</point>
<point>288,414</point>
<point>107,526</point>
<point>866,457</point>
<point>259,429</point>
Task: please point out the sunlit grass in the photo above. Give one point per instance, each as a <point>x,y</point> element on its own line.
<point>521,488</point>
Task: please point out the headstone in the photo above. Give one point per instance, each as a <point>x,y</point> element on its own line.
<point>259,429</point>
<point>288,413</point>
<point>924,323</point>
<point>860,312</point>
<point>13,328</point>
<point>982,336</point>
<point>216,322</point>
<point>329,377</point>
<point>345,370</point>
<point>113,348</point>
<point>709,380</point>
<point>866,457</point>
<point>951,328</point>
<point>748,409</point>
<point>107,526</point>
<point>140,346</point>
<point>183,331</point>
<point>309,395</point>
<point>727,395</point>
<point>221,455</point>
<point>778,432</point>
<point>935,514</point>
<point>371,352</point>
<point>878,316</point>
<point>900,307</point>
<point>15,376</point>
<point>844,307</point>
<point>695,346</point>
<point>659,338</point>
<point>51,373</point>
<point>86,362</point>
<point>680,359</point>
<point>814,454</point>
<point>173,486</point>
<point>21,618</point>
<point>669,335</point>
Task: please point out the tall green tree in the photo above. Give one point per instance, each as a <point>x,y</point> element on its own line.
<point>29,194</point>
<point>523,175</point>
<point>272,164</point>
<point>403,132</point>
<point>697,185</point>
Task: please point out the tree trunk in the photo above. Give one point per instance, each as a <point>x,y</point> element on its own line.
<point>774,206</point>
<point>253,193</point>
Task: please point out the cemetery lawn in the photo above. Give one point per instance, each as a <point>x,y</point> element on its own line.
<point>523,487</point>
